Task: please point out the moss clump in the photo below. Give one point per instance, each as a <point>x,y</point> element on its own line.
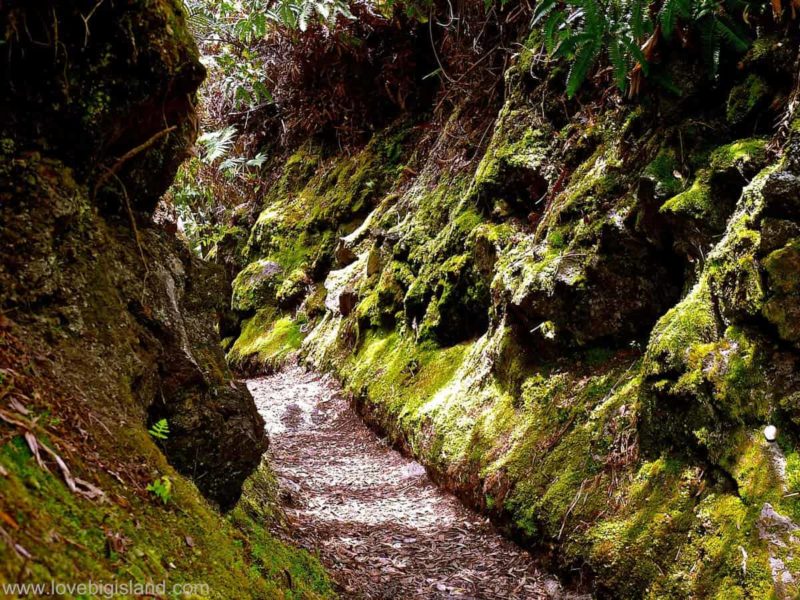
<point>293,289</point>
<point>266,341</point>
<point>512,174</point>
<point>132,537</point>
<point>691,322</point>
<point>782,307</point>
<point>256,286</point>
<point>746,98</point>
<point>713,193</point>
<point>662,170</point>
<point>783,268</point>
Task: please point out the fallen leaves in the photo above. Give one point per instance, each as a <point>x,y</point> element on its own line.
<point>380,526</point>
<point>28,426</point>
<point>6,518</point>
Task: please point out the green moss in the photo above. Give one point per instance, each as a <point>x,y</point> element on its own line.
<point>546,434</point>
<point>783,268</point>
<point>185,541</point>
<point>292,288</point>
<point>695,202</point>
<point>745,98</point>
<point>662,169</point>
<point>739,153</point>
<point>700,202</point>
<point>267,339</point>
<point>299,570</point>
<point>256,286</point>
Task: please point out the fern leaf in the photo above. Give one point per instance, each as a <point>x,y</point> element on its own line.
<point>303,14</point>
<point>160,429</point>
<point>543,9</point>
<point>636,52</point>
<point>584,59</point>
<point>551,29</point>
<point>711,45</point>
<point>569,46</point>
<point>671,11</point>
<point>619,64</point>
<point>733,38</point>
<point>640,24</point>
<point>217,143</point>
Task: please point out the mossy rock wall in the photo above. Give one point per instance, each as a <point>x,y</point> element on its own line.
<point>584,332</point>
<point>107,324</point>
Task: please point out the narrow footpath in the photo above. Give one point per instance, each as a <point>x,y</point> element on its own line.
<point>381,527</point>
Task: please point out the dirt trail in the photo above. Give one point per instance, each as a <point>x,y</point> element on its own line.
<point>381,527</point>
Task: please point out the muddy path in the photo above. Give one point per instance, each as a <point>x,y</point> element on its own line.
<point>380,526</point>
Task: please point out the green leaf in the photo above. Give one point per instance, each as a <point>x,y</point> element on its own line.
<point>570,45</point>
<point>636,52</point>
<point>160,430</point>
<point>217,143</point>
<point>584,59</point>
<point>555,20</point>
<point>543,8</point>
<point>161,488</point>
<point>737,42</point>
<point>671,11</point>
<point>619,63</point>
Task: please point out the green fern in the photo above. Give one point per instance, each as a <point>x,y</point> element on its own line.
<point>619,63</point>
<point>159,430</point>
<point>161,488</point>
<point>671,11</point>
<point>218,143</point>
<point>581,64</point>
<point>585,32</point>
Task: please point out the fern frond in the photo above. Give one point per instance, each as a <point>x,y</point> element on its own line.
<point>734,39</point>
<point>639,19</point>
<point>619,64</point>
<point>671,11</point>
<point>217,143</point>
<point>160,429</point>
<point>584,59</point>
<point>552,28</point>
<point>571,44</point>
<point>636,52</point>
<point>711,47</point>
<point>543,9</point>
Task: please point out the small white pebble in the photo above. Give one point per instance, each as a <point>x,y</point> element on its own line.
<point>771,433</point>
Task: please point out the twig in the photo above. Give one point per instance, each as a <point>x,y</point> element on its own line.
<point>129,155</point>
<point>571,508</point>
<point>136,235</point>
<point>433,47</point>
<point>86,20</point>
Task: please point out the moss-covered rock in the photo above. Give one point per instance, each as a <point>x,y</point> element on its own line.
<point>782,308</point>
<point>114,322</point>
<point>113,94</point>
<point>584,332</point>
<point>746,98</point>
<point>256,286</point>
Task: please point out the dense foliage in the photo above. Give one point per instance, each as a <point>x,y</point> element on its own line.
<point>283,71</point>
<point>627,33</point>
